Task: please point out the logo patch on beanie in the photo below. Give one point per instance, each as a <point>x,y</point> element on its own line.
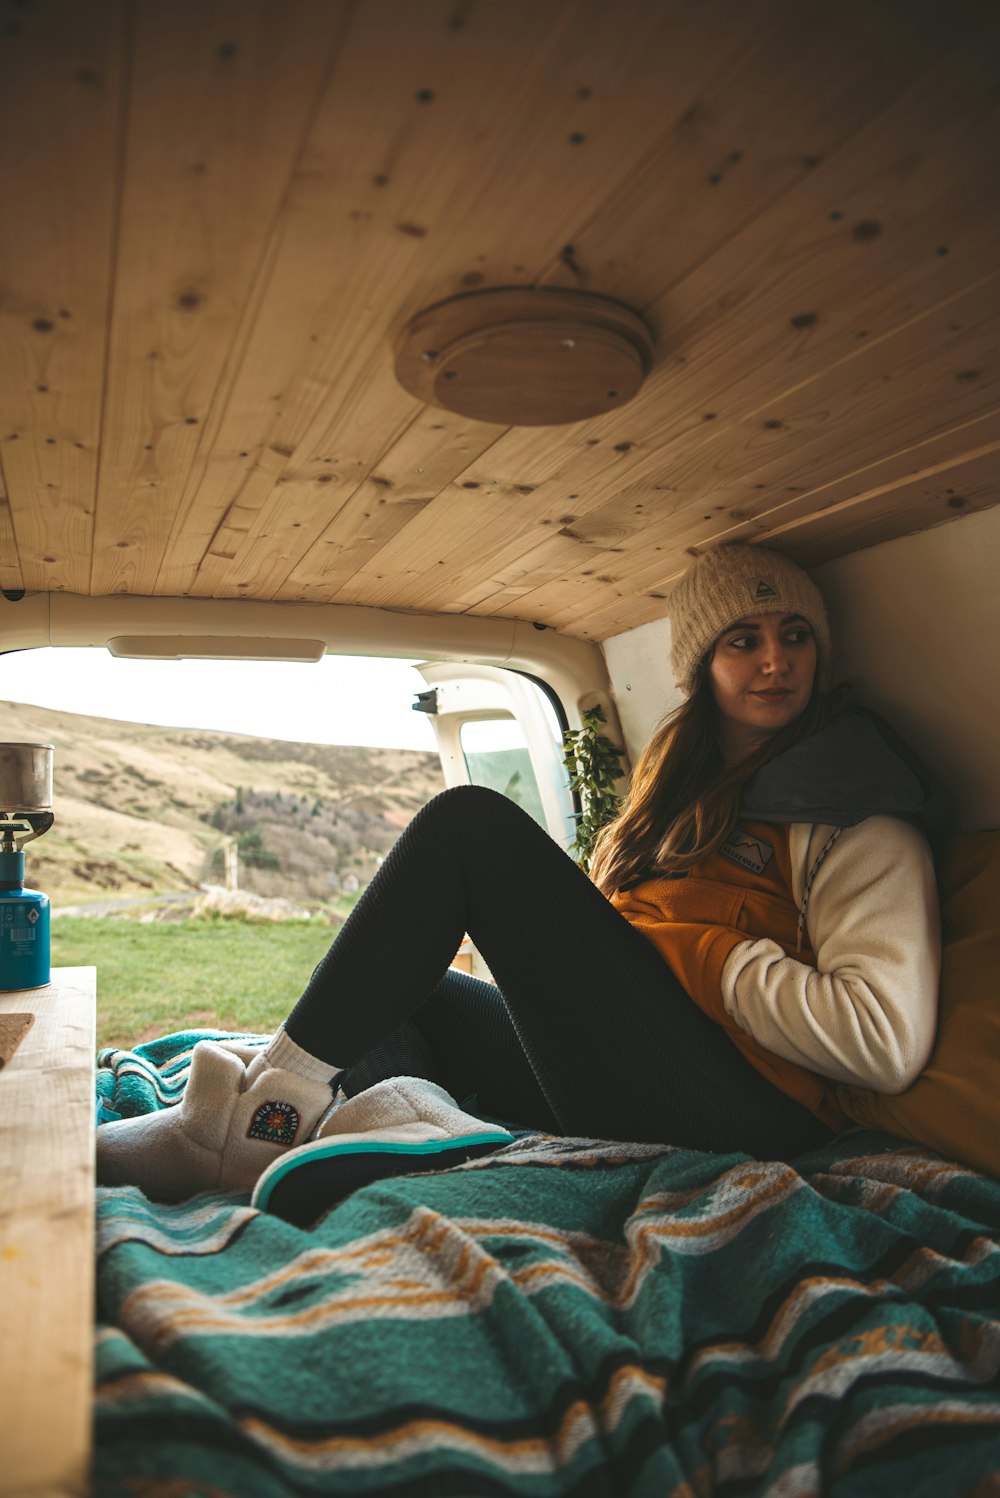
<point>761,590</point>
<point>277,1123</point>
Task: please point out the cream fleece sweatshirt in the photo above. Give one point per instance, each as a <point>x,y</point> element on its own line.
<point>867,1012</point>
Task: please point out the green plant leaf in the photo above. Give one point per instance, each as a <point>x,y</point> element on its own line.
<point>593,765</point>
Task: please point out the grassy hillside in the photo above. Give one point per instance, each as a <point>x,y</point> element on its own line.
<point>141,810</point>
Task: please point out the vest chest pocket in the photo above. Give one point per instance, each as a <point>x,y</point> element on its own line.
<point>763,914</point>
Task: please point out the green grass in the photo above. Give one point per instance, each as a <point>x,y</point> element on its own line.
<point>164,976</point>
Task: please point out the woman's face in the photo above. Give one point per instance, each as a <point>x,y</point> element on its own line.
<point>761,674</point>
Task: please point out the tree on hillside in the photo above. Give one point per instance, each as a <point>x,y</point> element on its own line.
<point>291,843</point>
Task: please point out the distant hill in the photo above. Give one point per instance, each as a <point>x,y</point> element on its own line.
<point>143,810</point>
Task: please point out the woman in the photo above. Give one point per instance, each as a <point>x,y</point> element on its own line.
<point>761,924</point>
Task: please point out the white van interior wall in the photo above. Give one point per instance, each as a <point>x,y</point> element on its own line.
<point>917,622</point>
<point>917,626</point>
<point>639,667</point>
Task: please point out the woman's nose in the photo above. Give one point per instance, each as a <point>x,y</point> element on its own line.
<point>775,662</point>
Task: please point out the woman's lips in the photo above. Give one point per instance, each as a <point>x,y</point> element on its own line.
<point>774,694</point>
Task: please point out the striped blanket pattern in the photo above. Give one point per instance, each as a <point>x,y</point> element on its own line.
<point>565,1317</point>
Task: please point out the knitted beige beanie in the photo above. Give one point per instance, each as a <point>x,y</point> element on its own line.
<point>737,582</point>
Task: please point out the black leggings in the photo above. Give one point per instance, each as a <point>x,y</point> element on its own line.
<point>587,1031</point>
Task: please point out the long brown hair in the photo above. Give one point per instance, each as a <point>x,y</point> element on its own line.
<point>683,801</point>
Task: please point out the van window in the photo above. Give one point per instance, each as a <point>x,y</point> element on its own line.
<point>496,755</point>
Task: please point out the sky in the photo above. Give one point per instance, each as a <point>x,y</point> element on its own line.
<point>337,700</point>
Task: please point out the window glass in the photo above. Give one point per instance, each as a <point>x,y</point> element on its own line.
<point>496,755</point>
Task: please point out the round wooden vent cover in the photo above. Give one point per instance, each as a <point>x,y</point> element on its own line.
<point>524,356</point>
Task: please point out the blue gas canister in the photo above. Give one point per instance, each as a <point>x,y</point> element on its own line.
<point>24,928</point>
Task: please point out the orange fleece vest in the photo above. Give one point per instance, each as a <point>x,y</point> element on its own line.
<point>741,893</point>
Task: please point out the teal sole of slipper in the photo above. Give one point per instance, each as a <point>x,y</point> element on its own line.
<point>302,1185</point>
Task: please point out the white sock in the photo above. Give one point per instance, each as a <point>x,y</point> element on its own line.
<point>282,1052</point>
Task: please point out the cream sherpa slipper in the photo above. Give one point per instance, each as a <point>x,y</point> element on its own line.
<point>401,1126</point>
<point>236,1114</point>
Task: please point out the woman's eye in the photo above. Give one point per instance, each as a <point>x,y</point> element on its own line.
<point>743,642</point>
<point>798,636</point>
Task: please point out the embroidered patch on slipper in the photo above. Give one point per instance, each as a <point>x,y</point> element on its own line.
<point>277,1123</point>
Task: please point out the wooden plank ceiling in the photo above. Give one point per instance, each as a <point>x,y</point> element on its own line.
<point>217,216</point>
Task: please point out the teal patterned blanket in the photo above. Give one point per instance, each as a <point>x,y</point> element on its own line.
<point>565,1317</point>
